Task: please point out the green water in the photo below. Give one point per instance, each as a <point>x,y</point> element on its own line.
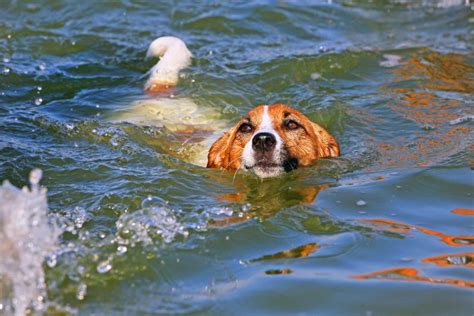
<point>146,233</point>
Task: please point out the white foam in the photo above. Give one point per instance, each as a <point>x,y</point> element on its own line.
<point>390,61</point>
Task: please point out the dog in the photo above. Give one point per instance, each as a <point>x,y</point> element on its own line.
<point>268,141</point>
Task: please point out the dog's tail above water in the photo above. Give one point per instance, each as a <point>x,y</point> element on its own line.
<point>174,56</point>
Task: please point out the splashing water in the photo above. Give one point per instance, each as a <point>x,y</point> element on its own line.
<point>154,221</point>
<point>26,237</point>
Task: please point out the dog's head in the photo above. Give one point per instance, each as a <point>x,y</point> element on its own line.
<point>271,140</point>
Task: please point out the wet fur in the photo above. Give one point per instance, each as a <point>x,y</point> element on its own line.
<point>303,146</point>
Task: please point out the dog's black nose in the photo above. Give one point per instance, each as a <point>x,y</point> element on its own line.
<point>263,142</point>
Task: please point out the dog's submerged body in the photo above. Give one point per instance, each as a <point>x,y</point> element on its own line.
<point>269,140</point>
<point>192,127</point>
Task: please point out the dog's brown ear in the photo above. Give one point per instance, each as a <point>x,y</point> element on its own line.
<point>218,156</point>
<point>327,144</point>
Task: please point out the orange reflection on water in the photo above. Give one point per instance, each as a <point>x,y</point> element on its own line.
<point>445,72</point>
<point>448,260</point>
<point>463,211</point>
<point>412,275</point>
<point>298,252</point>
<point>265,200</point>
<point>427,108</point>
<point>398,227</point>
<point>428,73</point>
<point>227,221</point>
<point>445,260</point>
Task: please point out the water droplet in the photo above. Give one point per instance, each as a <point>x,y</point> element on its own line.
<point>39,88</point>
<point>81,291</point>
<point>42,66</point>
<point>427,127</point>
<point>227,237</point>
<point>6,70</point>
<point>102,235</point>
<point>52,261</point>
<point>97,106</point>
<point>6,60</point>
<point>9,36</point>
<point>361,203</point>
<point>121,249</point>
<point>73,43</point>
<point>38,101</point>
<point>315,76</point>
<point>35,176</point>
<point>104,267</point>
<point>71,229</point>
<point>246,207</point>
<point>79,222</point>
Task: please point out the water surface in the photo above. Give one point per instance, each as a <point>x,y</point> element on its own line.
<point>384,230</point>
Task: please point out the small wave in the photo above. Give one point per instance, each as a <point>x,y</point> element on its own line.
<point>462,119</point>
<point>27,237</point>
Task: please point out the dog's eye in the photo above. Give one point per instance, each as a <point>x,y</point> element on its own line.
<point>245,128</point>
<point>291,125</point>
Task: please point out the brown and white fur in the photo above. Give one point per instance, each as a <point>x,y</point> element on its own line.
<point>271,140</point>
